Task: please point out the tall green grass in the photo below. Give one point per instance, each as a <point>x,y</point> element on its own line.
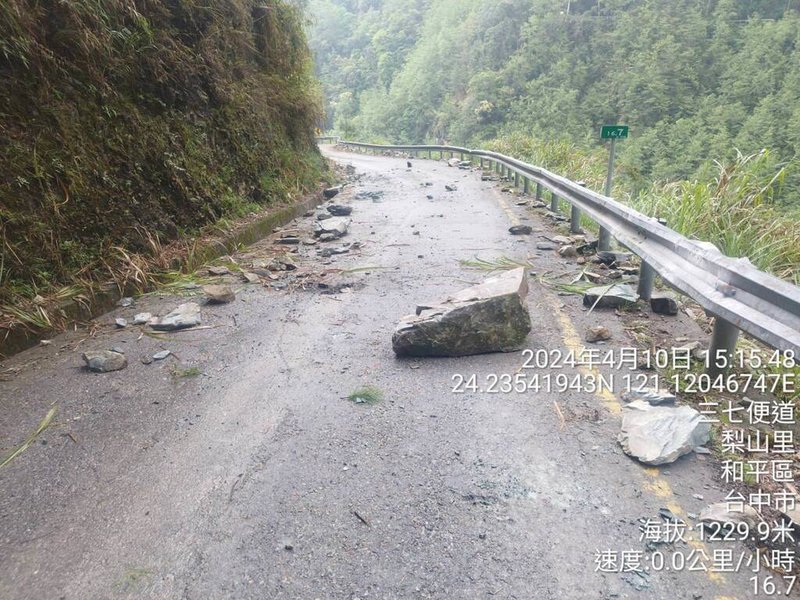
<point>734,207</point>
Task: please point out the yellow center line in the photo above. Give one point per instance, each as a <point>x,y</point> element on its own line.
<point>656,485</point>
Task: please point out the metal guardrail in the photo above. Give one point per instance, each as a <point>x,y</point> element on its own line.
<point>738,295</point>
<point>327,139</point>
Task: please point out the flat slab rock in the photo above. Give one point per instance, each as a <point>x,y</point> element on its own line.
<point>610,296</point>
<point>658,435</point>
<point>490,317</point>
<point>335,226</point>
<point>186,315</point>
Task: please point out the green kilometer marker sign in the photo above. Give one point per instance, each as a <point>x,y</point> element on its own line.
<point>613,132</point>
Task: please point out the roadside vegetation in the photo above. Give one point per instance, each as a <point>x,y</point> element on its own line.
<point>709,88</point>
<point>128,127</point>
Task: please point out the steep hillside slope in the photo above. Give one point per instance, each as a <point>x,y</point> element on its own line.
<point>123,121</point>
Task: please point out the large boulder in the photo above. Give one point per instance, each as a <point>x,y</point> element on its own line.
<point>490,317</point>
<point>657,435</point>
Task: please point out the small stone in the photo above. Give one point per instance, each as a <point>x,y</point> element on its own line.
<point>289,240</point>
<point>250,277</point>
<point>186,315</point>
<point>613,296</point>
<point>664,304</point>
<point>308,242</point>
<point>599,333</point>
<point>581,260</point>
<point>121,323</point>
<point>331,192</point>
<point>146,360</point>
<point>567,252</point>
<point>545,246</point>
<point>336,226</point>
<point>105,361</point>
<point>429,197</point>
<point>339,210</point>
<point>328,237</point>
<point>219,294</point>
<point>142,318</point>
<point>611,258</point>
<point>219,270</point>
<point>520,230</point>
<point>125,302</point>
<point>562,240</point>
<point>161,355</point>
<point>652,396</point>
<point>451,188</point>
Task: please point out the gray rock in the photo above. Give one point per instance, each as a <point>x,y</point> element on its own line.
<point>490,317</point>
<point>453,162</point>
<point>105,361</point>
<point>219,270</point>
<point>719,513</point>
<point>652,396</point>
<point>451,188</point>
<point>610,296</point>
<point>324,215</point>
<point>567,252</point>
<point>520,230</point>
<point>186,315</point>
<point>545,246</point>
<point>219,294</point>
<point>658,435</point>
<point>340,210</point>
<point>121,323</point>
<point>562,240</point>
<point>598,333</point>
<point>331,192</point>
<point>142,318</point>
<point>161,355</point>
<point>611,258</point>
<point>335,226</point>
<point>125,302</point>
<point>289,240</point>
<point>328,237</point>
<point>250,277</point>
<point>664,304</point>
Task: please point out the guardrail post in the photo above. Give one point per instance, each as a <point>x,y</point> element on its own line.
<point>553,202</point>
<point>723,345</point>
<point>575,215</point>
<point>526,186</point>
<point>604,239</point>
<point>539,191</point>
<point>647,275</point>
<point>516,181</point>
<point>575,219</point>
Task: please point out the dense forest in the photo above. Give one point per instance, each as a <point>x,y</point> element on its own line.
<point>126,124</point>
<point>709,88</point>
<point>695,79</point>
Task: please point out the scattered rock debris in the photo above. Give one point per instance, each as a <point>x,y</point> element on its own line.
<point>105,361</point>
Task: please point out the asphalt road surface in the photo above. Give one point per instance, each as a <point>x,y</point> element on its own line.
<point>258,479</point>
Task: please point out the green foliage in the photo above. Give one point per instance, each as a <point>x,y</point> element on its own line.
<point>695,79</point>
<point>127,121</point>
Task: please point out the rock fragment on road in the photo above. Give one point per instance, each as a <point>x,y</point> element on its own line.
<point>335,227</point>
<point>664,304</point>
<point>331,192</point>
<point>186,315</point>
<point>658,435</point>
<point>490,317</point>
<point>520,230</point>
<point>340,210</point>
<point>219,294</point>
<point>610,296</point>
<point>105,361</point>
<point>599,333</point>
